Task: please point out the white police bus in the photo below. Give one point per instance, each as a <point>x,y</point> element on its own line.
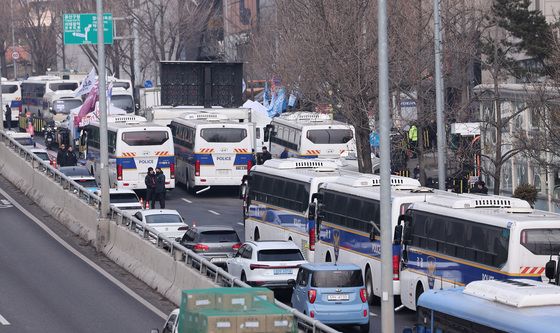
<point>211,150</point>
<point>452,240</point>
<point>492,306</point>
<point>310,135</point>
<point>134,146</point>
<point>348,223</point>
<point>278,196</point>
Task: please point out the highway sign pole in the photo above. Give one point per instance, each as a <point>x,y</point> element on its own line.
<point>13,41</point>
<point>387,303</point>
<point>104,172</point>
<point>441,149</point>
<point>2,114</point>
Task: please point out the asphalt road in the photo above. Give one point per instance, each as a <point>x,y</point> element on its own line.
<point>44,287</point>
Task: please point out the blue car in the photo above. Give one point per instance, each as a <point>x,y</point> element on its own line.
<point>332,294</point>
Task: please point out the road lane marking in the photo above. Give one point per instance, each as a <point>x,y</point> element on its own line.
<point>372,314</point>
<point>84,258</point>
<point>240,223</point>
<point>186,200</point>
<point>3,321</point>
<point>213,212</point>
<point>5,203</point>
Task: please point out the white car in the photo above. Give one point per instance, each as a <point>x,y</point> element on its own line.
<point>23,138</point>
<point>266,263</point>
<point>123,199</point>
<point>166,221</point>
<point>43,154</point>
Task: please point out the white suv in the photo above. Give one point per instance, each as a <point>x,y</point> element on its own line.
<point>266,263</point>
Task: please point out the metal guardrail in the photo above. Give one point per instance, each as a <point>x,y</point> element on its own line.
<point>173,248</point>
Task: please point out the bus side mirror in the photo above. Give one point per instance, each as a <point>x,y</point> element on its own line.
<point>243,191</point>
<point>406,222</point>
<point>267,131</point>
<point>311,210</point>
<point>550,270</point>
<point>374,231</point>
<point>398,234</point>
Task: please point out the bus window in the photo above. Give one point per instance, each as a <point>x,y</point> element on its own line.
<point>63,86</point>
<point>9,88</point>
<point>223,134</point>
<point>541,241</point>
<point>325,136</point>
<point>151,138</point>
<point>124,102</point>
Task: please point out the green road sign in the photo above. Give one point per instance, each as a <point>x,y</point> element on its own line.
<point>82,28</point>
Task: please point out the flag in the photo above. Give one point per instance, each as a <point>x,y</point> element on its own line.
<point>89,104</point>
<point>87,84</point>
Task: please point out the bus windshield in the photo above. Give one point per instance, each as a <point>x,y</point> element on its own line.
<point>329,136</point>
<point>65,105</point>
<point>145,138</point>
<point>541,241</point>
<point>227,135</point>
<point>124,102</point>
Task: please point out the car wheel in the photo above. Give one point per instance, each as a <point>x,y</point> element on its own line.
<point>328,257</point>
<point>257,235</point>
<point>364,328</point>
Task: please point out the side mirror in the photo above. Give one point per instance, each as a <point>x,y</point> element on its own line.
<point>311,210</point>
<point>267,131</point>
<point>292,283</point>
<point>550,269</point>
<point>398,234</point>
<point>243,191</point>
<point>374,231</point>
<point>406,222</point>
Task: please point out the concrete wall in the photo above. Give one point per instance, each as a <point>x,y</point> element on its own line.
<point>140,257</point>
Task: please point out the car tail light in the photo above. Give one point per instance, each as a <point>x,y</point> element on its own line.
<point>363,295</point>
<point>197,168</point>
<point>119,172</point>
<point>249,166</point>
<point>365,313</point>
<point>312,295</point>
<point>201,248</point>
<point>396,266</point>
<point>312,314</point>
<point>312,239</point>
<point>258,266</point>
<point>236,246</point>
<point>172,170</point>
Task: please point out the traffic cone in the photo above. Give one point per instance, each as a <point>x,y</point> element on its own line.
<point>142,203</point>
<point>147,205</point>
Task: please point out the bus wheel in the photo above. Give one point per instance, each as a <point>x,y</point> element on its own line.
<point>190,188</point>
<point>419,291</point>
<point>369,287</point>
<point>328,257</point>
<point>256,235</point>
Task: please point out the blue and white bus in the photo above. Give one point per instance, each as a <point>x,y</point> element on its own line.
<point>279,194</point>
<point>452,240</point>
<point>134,146</point>
<point>494,306</point>
<point>348,223</point>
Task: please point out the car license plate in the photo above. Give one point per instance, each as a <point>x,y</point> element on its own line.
<point>241,167</point>
<point>222,172</point>
<point>338,297</point>
<point>282,271</point>
<point>219,260</point>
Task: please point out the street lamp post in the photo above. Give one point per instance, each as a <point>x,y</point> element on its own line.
<point>13,39</point>
<point>441,149</point>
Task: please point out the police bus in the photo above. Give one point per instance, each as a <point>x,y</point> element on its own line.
<point>11,95</point>
<point>310,135</point>
<point>36,88</point>
<point>491,306</point>
<point>211,150</point>
<point>134,146</point>
<point>277,199</point>
<point>348,223</point>
<point>453,240</point>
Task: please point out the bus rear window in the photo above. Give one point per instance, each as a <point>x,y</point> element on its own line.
<point>63,86</point>
<point>326,136</point>
<point>226,135</point>
<point>337,279</point>
<point>9,88</point>
<point>145,138</point>
<point>541,241</point>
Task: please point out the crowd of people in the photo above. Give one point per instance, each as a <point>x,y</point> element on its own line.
<point>66,156</point>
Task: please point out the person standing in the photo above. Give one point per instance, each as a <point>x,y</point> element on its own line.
<point>150,181</point>
<point>8,118</point>
<point>160,187</point>
<point>416,172</point>
<point>284,153</point>
<point>61,156</point>
<point>70,158</point>
<point>413,139</point>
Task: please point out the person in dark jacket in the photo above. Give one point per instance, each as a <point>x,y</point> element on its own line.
<point>8,117</point>
<point>150,181</point>
<point>70,157</point>
<point>480,187</point>
<point>265,156</point>
<point>160,187</point>
<point>61,156</point>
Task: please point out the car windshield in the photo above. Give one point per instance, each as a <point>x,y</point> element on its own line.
<point>75,171</point>
<point>86,182</point>
<point>164,218</point>
<point>280,255</point>
<point>25,141</point>
<point>117,198</point>
<point>42,155</point>
<point>337,279</point>
<point>219,236</point>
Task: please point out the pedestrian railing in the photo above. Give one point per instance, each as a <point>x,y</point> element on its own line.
<point>160,242</point>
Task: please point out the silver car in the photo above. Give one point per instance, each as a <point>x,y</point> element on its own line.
<point>215,243</point>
